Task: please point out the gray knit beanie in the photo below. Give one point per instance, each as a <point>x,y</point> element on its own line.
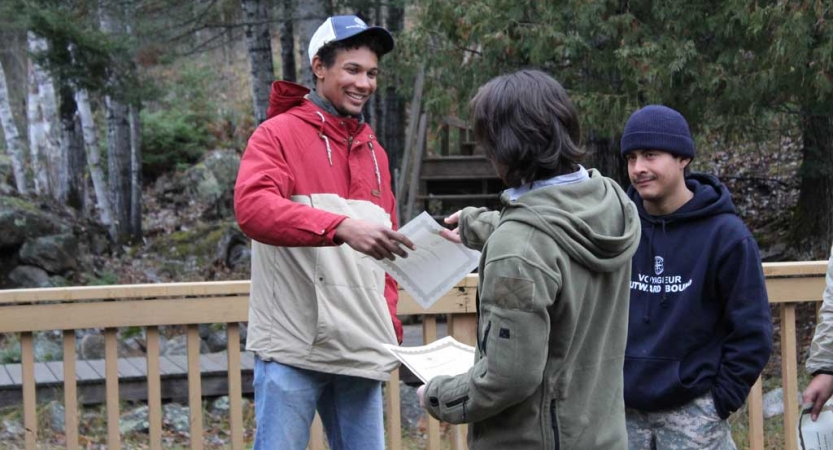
<point>657,127</point>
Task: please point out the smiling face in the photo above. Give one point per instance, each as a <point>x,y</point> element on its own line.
<point>659,178</point>
<point>350,81</point>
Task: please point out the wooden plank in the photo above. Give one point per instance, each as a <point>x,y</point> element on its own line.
<point>789,374</point>
<point>247,361</point>
<point>15,372</point>
<point>30,420</point>
<point>429,335</point>
<point>112,292</point>
<point>57,368</point>
<point>460,299</point>
<point>208,364</point>
<point>413,121</point>
<point>194,387</point>
<point>84,372</point>
<point>154,388</point>
<point>129,370</point>
<point>786,290</point>
<point>127,313</point>
<point>393,412</point>
<point>473,167</point>
<point>234,386</point>
<point>70,391</point>
<point>756,416</point>
<point>5,378</point>
<point>795,268</point>
<point>462,327</point>
<point>43,375</point>
<point>173,365</point>
<point>316,434</point>
<point>111,376</point>
<point>413,185</point>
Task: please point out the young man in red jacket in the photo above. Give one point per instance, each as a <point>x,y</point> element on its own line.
<point>314,194</point>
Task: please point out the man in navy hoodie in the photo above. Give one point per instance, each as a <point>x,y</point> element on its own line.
<point>699,330</point>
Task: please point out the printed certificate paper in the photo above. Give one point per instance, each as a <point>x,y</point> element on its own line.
<point>816,435</point>
<point>446,356</point>
<point>436,265</point>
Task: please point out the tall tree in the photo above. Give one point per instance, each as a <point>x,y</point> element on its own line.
<point>112,17</point>
<point>309,15</point>
<point>259,42</point>
<point>93,157</point>
<point>48,122</point>
<point>288,41</point>
<point>13,142</point>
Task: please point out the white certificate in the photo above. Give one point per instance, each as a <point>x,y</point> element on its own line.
<point>435,266</point>
<point>816,435</point>
<point>446,356</point>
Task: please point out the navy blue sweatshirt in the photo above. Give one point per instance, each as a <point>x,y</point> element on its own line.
<point>699,314</point>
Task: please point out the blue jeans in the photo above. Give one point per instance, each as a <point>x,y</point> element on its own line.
<point>286,398</point>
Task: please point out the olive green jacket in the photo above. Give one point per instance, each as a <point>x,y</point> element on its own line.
<point>552,321</point>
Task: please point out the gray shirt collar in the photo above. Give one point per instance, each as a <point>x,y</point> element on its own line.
<point>576,177</point>
<point>328,107</point>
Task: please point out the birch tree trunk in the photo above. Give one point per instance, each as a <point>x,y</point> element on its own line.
<point>135,175</point>
<point>94,160</point>
<point>54,156</point>
<point>259,42</point>
<point>72,149</point>
<point>288,41</point>
<point>309,15</point>
<point>37,139</point>
<point>111,16</point>
<point>13,142</point>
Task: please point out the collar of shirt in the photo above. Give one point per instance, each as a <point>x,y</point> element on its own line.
<point>570,178</point>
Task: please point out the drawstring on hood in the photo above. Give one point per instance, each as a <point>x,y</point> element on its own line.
<point>324,137</point>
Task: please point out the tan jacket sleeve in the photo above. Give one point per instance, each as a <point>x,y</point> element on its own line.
<point>821,350</point>
<point>476,225</point>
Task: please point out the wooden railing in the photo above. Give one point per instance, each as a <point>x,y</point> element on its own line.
<point>190,304</point>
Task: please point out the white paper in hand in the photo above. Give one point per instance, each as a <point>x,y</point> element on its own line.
<point>446,356</point>
<point>435,266</point>
<point>816,435</point>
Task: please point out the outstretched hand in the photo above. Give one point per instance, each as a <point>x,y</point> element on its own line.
<point>373,239</point>
<point>818,392</point>
<point>452,235</point>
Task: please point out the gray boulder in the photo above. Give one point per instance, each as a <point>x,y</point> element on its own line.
<point>176,417</point>
<point>21,220</point>
<point>133,421</point>
<point>178,345</point>
<point>92,347</point>
<point>55,254</point>
<point>29,277</point>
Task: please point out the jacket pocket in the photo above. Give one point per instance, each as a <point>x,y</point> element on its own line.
<point>654,383</point>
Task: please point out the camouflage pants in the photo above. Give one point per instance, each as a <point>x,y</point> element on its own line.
<point>693,426</point>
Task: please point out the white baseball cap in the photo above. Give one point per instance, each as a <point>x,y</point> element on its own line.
<point>337,28</point>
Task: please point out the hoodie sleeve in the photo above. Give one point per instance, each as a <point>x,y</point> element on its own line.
<point>514,333</point>
<point>476,225</point>
<point>748,346</point>
<point>821,350</point>
<point>262,202</point>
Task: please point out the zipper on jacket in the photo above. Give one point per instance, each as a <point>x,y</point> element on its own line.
<point>456,402</point>
<point>485,338</point>
<point>554,425</point>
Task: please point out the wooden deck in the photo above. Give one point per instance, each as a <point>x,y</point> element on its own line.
<point>90,376</point>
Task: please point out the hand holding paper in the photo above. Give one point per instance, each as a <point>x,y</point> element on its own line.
<point>435,266</point>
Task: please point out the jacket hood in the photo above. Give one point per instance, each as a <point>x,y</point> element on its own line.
<point>711,197</point>
<point>285,95</point>
<point>593,221</point>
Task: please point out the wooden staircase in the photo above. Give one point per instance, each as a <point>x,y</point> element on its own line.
<point>453,176</point>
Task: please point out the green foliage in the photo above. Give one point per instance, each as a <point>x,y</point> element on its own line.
<point>175,128</point>
<point>103,278</point>
<point>10,351</point>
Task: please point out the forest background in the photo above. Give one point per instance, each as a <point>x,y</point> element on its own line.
<point>123,121</point>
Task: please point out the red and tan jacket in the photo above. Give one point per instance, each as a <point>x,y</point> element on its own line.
<point>316,304</point>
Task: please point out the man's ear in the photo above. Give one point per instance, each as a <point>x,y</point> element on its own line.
<point>685,161</point>
<point>317,68</point>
